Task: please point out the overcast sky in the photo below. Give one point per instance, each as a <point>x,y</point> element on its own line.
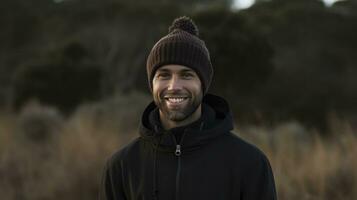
<point>241,4</point>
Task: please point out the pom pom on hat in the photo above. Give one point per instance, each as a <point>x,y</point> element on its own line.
<point>186,24</point>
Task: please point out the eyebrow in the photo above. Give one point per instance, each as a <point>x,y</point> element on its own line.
<point>181,71</point>
<point>163,70</point>
<point>187,70</point>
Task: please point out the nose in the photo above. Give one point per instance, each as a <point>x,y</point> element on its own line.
<point>175,83</point>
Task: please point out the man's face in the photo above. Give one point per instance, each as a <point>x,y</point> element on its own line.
<point>177,91</point>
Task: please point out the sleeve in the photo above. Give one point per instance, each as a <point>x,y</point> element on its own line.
<point>112,185</point>
<point>259,183</point>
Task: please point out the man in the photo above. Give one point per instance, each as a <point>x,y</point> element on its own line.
<point>186,149</point>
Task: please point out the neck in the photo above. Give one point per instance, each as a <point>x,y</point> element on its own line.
<point>169,124</point>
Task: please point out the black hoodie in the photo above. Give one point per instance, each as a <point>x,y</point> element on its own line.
<point>201,161</point>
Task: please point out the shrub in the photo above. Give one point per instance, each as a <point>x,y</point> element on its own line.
<point>66,80</point>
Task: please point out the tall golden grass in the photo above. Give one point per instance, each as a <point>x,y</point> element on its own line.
<point>307,165</point>
<point>46,156</point>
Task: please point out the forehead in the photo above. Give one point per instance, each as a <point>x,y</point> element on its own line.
<point>175,68</point>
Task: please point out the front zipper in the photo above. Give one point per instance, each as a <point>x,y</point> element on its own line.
<point>178,150</point>
<point>178,153</point>
<point>178,174</point>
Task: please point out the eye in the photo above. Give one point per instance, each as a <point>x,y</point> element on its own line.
<point>187,75</point>
<point>162,75</point>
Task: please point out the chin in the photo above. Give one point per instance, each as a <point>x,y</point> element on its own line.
<point>177,117</point>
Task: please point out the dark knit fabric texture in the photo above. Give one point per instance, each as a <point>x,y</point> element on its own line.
<point>182,47</point>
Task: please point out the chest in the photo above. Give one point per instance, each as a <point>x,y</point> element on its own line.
<point>203,174</point>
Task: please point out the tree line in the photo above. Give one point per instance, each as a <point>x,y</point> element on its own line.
<point>277,60</point>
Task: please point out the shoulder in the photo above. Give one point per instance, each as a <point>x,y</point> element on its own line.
<point>243,151</point>
<point>124,153</point>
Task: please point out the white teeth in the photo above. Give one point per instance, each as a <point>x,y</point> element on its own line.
<point>176,100</point>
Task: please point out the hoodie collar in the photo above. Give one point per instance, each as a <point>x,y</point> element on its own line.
<point>207,118</point>
<point>215,120</point>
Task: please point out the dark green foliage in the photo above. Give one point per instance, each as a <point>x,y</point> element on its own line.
<point>278,60</point>
<point>64,82</point>
<point>241,56</point>
<point>314,51</point>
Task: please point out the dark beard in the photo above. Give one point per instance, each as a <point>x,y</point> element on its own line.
<point>178,115</point>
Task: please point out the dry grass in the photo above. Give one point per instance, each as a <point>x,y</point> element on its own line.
<point>308,166</point>
<point>44,156</point>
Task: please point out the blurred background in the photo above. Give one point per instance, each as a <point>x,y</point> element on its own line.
<point>73,86</point>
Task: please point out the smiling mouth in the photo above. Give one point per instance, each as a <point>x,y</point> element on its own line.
<point>176,100</point>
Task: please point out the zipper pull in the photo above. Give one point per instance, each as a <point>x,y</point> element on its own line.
<point>178,150</point>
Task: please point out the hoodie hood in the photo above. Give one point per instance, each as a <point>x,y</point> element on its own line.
<point>216,120</point>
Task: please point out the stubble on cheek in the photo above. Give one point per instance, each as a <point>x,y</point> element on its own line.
<point>187,109</point>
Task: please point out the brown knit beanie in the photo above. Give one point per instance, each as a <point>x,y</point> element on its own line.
<point>181,46</point>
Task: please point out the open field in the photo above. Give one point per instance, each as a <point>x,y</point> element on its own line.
<point>46,156</point>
